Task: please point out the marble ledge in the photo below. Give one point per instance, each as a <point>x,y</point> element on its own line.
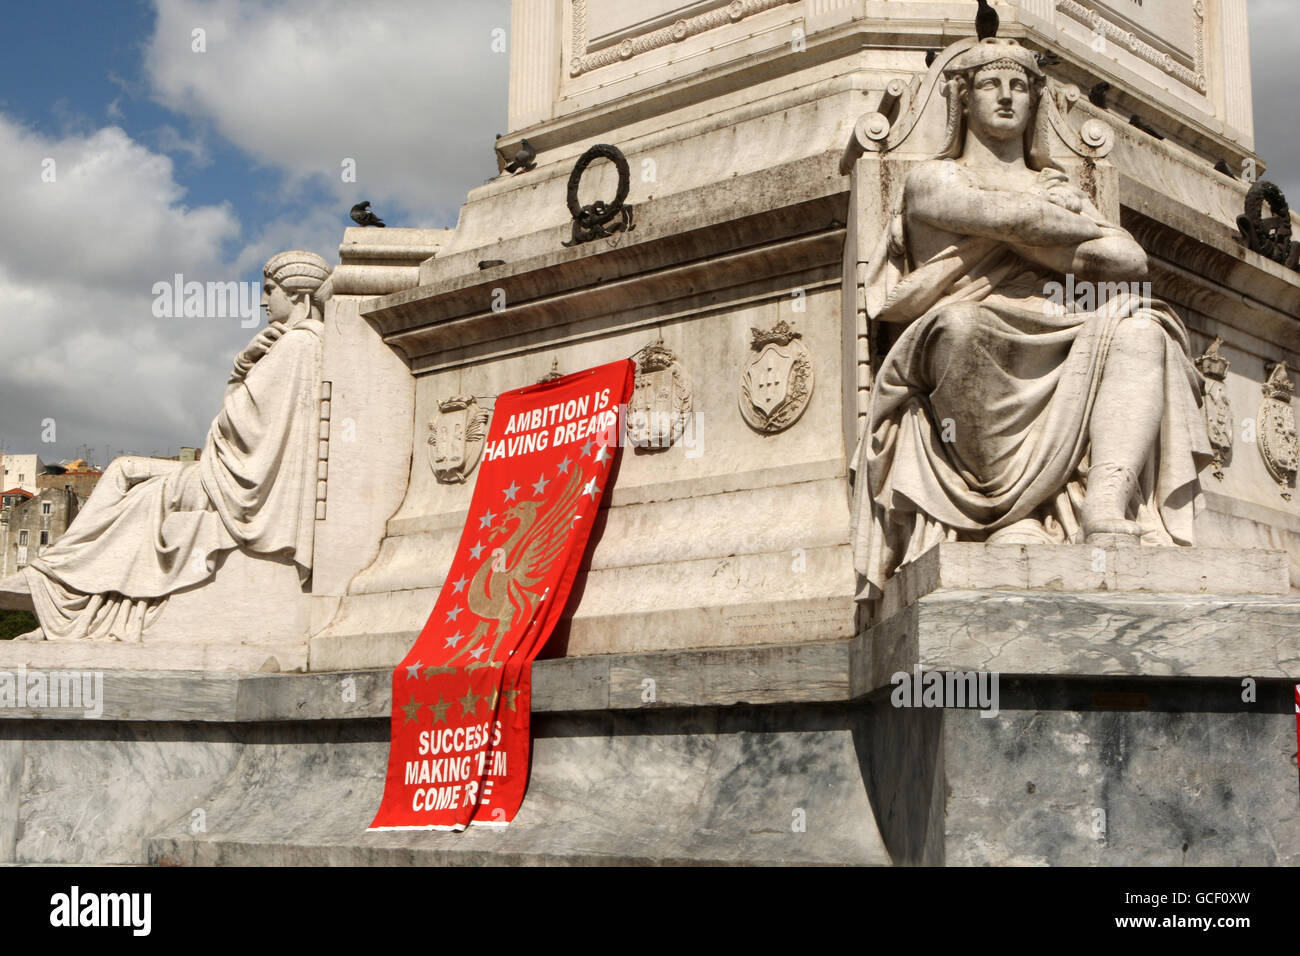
<point>1022,633</point>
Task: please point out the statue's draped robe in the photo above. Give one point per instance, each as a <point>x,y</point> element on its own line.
<point>1020,381</point>
<point>153,528</point>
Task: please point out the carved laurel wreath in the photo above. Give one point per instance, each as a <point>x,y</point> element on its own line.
<point>591,221</point>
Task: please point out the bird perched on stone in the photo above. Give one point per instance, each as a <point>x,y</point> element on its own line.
<point>986,21</point>
<point>1047,59</point>
<point>524,157</point>
<point>1097,95</point>
<point>362,215</point>
<point>490,263</point>
<point>1223,167</point>
<point>929,56</point>
<point>1136,122</point>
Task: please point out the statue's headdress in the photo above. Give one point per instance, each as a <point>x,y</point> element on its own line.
<point>996,52</point>
<point>299,272</point>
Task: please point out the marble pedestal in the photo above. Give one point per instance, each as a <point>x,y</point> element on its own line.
<point>1144,708</point>
<point>1124,736</point>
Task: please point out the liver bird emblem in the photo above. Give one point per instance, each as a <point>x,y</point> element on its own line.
<point>503,589</point>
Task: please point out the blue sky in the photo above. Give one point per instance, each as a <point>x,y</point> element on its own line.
<point>169,160</point>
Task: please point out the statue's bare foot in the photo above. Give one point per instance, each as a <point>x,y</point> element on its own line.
<point>36,635</point>
<point>1110,489</point>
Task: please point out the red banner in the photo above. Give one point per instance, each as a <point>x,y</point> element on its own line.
<point>461,696</point>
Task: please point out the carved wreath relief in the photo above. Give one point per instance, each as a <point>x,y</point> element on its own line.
<point>1218,413</point>
<point>777,382</point>
<point>456,438</point>
<point>599,220</point>
<point>1276,427</point>
<point>661,399</point>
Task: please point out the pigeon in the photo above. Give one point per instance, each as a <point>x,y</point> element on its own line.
<point>1047,59</point>
<point>1137,123</point>
<point>489,263</point>
<point>1097,95</point>
<point>1223,167</point>
<point>986,21</point>
<point>929,56</point>
<point>362,215</point>
<point>523,160</point>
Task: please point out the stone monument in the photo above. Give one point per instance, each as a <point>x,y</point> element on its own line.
<point>999,404</point>
<point>915,325</point>
<point>155,528</point>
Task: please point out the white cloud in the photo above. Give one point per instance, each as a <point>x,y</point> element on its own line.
<point>77,268</point>
<point>399,86</point>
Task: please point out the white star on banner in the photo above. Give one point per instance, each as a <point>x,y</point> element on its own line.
<point>477,652</point>
<point>564,466</point>
<point>477,550</point>
<point>486,520</point>
<point>511,491</point>
<point>539,486</point>
<point>413,670</point>
<point>458,586</point>
<point>603,453</point>
<point>586,448</point>
<point>451,615</point>
<point>591,489</point>
<point>452,641</point>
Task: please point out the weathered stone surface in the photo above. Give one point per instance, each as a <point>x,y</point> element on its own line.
<point>786,674</point>
<point>1092,773</point>
<point>95,655</point>
<point>751,786</point>
<point>1082,568</point>
<point>738,567</point>
<point>93,795</point>
<point>1030,632</point>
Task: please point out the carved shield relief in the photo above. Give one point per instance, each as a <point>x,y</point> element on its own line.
<point>456,437</point>
<point>777,381</point>
<point>1276,430</point>
<point>661,400</point>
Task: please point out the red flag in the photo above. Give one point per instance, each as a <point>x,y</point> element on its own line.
<point>461,696</point>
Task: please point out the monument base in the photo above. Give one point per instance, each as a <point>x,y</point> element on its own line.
<point>778,754</point>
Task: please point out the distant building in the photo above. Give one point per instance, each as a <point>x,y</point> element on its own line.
<point>14,496</point>
<point>32,524</point>
<point>21,471</point>
<point>78,476</point>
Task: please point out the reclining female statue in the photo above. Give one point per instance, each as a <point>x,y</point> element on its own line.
<point>154,527</point>
<point>1001,402</point>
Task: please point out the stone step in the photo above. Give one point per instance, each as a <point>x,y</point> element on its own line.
<point>1084,635</point>
<point>736,786</point>
<point>1082,568</point>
